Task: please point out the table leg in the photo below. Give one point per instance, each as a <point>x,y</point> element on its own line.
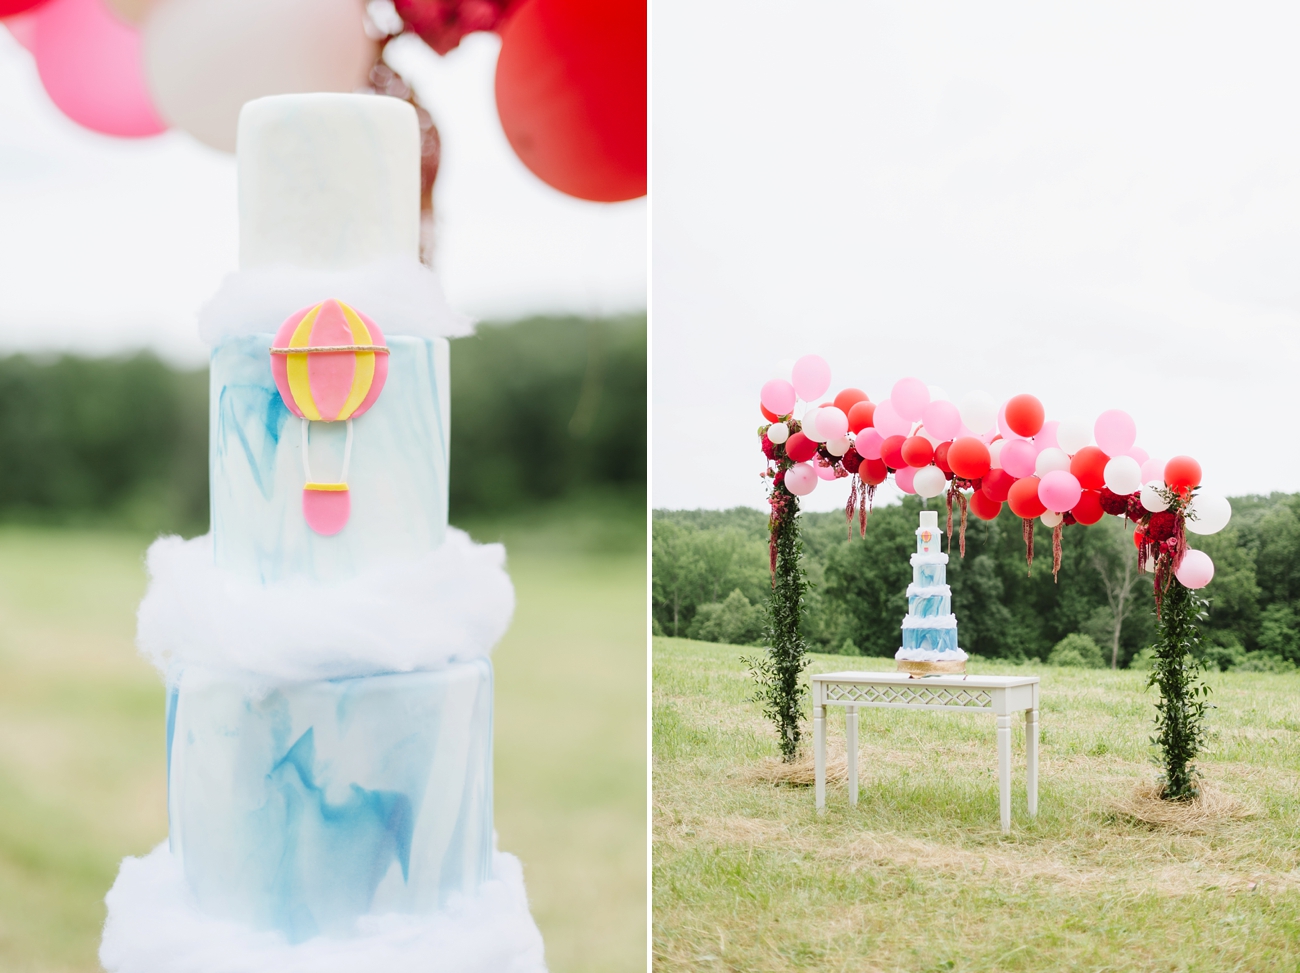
<point>819,756</point>
<point>851,747</point>
<point>1031,760</point>
<point>1004,770</point>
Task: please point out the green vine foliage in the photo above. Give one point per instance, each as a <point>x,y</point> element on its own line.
<point>1181,709</point>
<point>777,673</point>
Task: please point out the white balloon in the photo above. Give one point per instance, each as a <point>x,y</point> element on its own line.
<point>979,411</point>
<point>204,58</point>
<point>1072,435</point>
<point>1151,498</point>
<point>1051,459</point>
<point>838,447</point>
<point>1051,518</point>
<point>1212,513</point>
<point>929,482</point>
<point>778,432</point>
<point>1123,475</point>
<point>995,454</point>
<point>809,425</point>
<point>937,394</point>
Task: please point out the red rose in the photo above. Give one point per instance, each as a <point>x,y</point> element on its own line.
<point>1113,503</point>
<point>851,461</point>
<point>1162,526</point>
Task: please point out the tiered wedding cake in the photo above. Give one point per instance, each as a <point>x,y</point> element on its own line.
<point>930,627</point>
<point>325,647</point>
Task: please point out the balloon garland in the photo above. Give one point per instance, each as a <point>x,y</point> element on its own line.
<point>980,455</point>
<point>570,82</point>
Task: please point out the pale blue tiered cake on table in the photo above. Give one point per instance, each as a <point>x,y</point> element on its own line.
<point>329,695</point>
<point>930,628</point>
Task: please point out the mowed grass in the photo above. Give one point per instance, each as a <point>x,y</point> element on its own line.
<point>82,775</point>
<point>747,876</point>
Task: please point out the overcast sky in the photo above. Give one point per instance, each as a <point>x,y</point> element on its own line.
<point>109,244</point>
<point>1097,203</point>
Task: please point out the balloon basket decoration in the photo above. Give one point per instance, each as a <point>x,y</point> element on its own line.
<point>983,455</point>
<point>330,364</point>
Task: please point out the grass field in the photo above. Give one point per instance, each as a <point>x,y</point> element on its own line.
<point>81,736</point>
<point>918,877</point>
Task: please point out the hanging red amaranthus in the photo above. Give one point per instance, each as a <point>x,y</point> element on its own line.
<point>1056,551</point>
<point>1028,531</point>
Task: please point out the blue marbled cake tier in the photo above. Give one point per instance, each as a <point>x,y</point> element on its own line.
<point>933,639</point>
<point>307,807</point>
<point>929,570</point>
<point>929,606</point>
<point>398,478</point>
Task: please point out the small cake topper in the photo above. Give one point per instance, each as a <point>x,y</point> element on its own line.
<point>329,363</point>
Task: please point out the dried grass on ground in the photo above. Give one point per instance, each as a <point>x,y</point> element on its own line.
<point>918,876</point>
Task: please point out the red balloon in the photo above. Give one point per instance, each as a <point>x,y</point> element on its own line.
<point>768,414</point>
<point>969,458</point>
<point>873,472</point>
<point>1088,509</point>
<point>862,415</point>
<point>891,451</point>
<point>917,451</point>
<point>847,399</point>
<point>1023,498</point>
<point>983,506</point>
<point>997,484</point>
<point>941,458</point>
<point>1024,415</point>
<point>1182,473</point>
<point>800,448</point>
<point>10,7</point>
<point>571,93</point>
<point>1088,466</point>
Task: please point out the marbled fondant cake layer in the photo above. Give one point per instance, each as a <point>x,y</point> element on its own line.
<point>929,570</point>
<point>316,803</point>
<point>397,481</point>
<point>934,639</point>
<point>929,606</point>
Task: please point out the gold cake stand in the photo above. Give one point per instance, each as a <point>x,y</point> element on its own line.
<point>917,670</point>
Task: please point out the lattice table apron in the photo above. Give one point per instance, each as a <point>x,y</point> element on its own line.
<point>1000,695</point>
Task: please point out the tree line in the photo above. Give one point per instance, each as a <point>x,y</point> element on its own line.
<point>711,581</point>
<point>541,408</point>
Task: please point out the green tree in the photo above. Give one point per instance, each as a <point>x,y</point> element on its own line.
<point>735,621</point>
<point>1077,650</point>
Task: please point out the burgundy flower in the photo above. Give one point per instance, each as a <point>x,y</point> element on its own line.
<point>442,23</point>
<point>1162,526</point>
<point>851,461</point>
<point>769,447</point>
<point>1135,509</point>
<point>1113,503</point>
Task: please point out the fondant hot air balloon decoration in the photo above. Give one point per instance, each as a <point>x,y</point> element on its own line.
<point>329,363</point>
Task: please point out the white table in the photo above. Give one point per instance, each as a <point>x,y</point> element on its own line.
<point>1000,695</point>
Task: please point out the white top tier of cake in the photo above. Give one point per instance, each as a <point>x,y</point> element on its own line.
<point>929,538</point>
<point>327,181</point>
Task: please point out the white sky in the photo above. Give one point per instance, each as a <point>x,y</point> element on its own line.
<point>109,245</point>
<point>1098,203</point>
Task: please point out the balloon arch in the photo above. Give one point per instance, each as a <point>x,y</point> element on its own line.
<point>981,454</point>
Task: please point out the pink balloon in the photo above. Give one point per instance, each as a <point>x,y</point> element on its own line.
<point>904,478</point>
<point>942,420</point>
<point>823,471</point>
<point>868,444</point>
<point>1059,491</point>
<point>1153,469</point>
<point>909,397</point>
<point>1115,432</point>
<point>1196,571</point>
<point>832,423</point>
<point>811,376</point>
<point>1003,428</point>
<point>23,28</point>
<point>91,66</point>
<point>778,396</point>
<point>888,422</point>
<point>1046,438</point>
<point>1139,454</point>
<point>801,479</point>
<point>1017,457</point>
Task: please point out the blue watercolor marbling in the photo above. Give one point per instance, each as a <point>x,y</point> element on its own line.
<point>935,639</point>
<point>398,477</point>
<point>929,606</point>
<point>314,804</point>
<point>929,575</point>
